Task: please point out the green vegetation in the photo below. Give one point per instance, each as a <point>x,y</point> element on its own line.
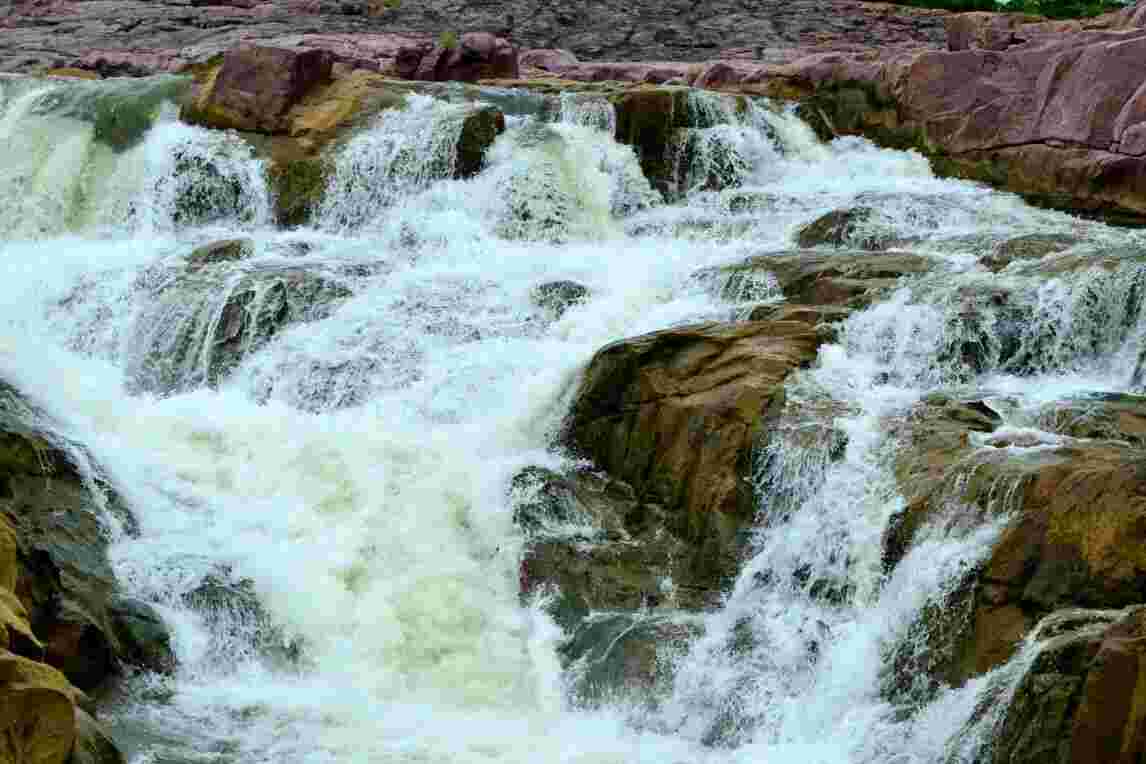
<point>1054,9</point>
<point>448,40</point>
<point>391,5</point>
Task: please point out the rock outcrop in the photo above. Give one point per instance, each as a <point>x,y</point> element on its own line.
<point>472,57</point>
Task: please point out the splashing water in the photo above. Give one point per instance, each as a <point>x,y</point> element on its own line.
<point>345,463</point>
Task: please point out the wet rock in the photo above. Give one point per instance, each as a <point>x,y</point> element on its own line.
<point>15,630</point>
<point>256,87</point>
<point>677,413</point>
<point>143,636</point>
<point>238,620</point>
<point>93,745</point>
<point>648,120</point>
<point>37,712</point>
<point>1075,540</point>
<point>846,278</point>
<point>1082,699</point>
<point>556,297</point>
<point>1030,247</point>
<point>475,56</point>
<point>201,324</point>
<point>615,655</point>
<point>479,130</point>
<point>1101,416</point>
<point>223,251</point>
<point>298,187</point>
<point>64,581</point>
<point>600,548</point>
<point>847,228</point>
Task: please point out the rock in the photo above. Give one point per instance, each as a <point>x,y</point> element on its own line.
<point>846,228</point>
<point>479,130</point>
<point>143,636</point>
<point>1075,540</point>
<point>298,187</point>
<point>1029,247</point>
<point>256,87</point>
<point>986,31</point>
<point>37,712</point>
<point>648,120</point>
<point>1082,699</point>
<point>601,548</point>
<point>15,630</point>
<point>93,746</point>
<point>677,414</point>
<point>223,251</point>
<point>549,59</point>
<point>64,581</point>
<point>622,655</point>
<point>844,278</point>
<point>1101,416</point>
<point>237,618</point>
<point>201,324</point>
<point>556,297</point>
<point>475,56</point>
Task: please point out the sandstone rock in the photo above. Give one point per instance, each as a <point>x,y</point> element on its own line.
<point>1030,247</point>
<point>1076,536</point>
<point>987,31</point>
<point>549,59</point>
<point>256,87</point>
<point>602,548</point>
<point>846,228</point>
<point>64,581</point>
<point>648,120</point>
<point>1082,699</point>
<point>845,278</point>
<point>93,746</point>
<point>37,712</point>
<point>476,56</point>
<point>677,414</point>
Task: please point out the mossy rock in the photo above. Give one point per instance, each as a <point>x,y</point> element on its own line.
<point>298,187</point>
<point>479,130</point>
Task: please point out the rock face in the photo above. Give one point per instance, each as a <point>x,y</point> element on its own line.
<point>256,87</point>
<point>1079,514</point>
<point>37,712</point>
<point>1082,700</point>
<point>677,413</point>
<point>475,56</point>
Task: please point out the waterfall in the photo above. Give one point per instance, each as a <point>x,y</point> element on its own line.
<point>318,430</point>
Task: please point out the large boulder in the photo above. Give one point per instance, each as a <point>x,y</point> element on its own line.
<point>64,584</point>
<point>1076,530</point>
<point>1084,697</point>
<point>677,414</point>
<point>473,56</point>
<point>37,712</point>
<point>256,86</point>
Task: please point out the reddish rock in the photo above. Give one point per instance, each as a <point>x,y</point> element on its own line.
<point>986,31</point>
<point>257,86</point>
<point>549,59</point>
<point>620,71</point>
<point>477,56</point>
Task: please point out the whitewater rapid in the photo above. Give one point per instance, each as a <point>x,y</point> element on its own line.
<point>354,471</point>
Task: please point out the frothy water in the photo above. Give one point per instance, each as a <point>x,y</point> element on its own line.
<point>345,463</point>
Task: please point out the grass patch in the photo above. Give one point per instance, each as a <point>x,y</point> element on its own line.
<point>1052,9</point>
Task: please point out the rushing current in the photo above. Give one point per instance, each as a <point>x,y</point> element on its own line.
<point>352,471</point>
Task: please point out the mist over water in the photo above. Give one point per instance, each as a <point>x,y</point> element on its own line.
<point>351,471</point>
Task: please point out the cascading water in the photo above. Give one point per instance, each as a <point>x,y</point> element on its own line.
<point>318,433</point>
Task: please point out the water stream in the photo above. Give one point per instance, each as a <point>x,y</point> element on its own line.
<point>351,471</point>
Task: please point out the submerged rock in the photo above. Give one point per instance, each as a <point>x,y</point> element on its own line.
<point>1030,247</point>
<point>847,228</point>
<point>201,324</point>
<point>93,745</point>
<point>556,297</point>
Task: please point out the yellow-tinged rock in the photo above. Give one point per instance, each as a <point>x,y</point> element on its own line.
<point>14,627</point>
<point>37,712</point>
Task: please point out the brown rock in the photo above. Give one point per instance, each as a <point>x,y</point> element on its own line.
<point>256,87</point>
<point>476,56</point>
<point>1077,537</point>
<point>37,712</point>
<point>549,59</point>
<point>1084,698</point>
<point>676,414</point>
<point>986,31</point>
